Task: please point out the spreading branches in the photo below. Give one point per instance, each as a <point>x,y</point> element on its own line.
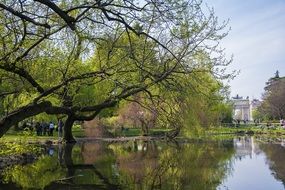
<point>24,17</point>
<point>70,21</point>
<point>86,56</point>
<point>23,73</point>
<point>3,94</point>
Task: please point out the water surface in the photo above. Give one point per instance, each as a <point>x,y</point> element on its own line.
<point>239,163</point>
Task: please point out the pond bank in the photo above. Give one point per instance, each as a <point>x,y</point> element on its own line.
<point>18,159</point>
<point>270,132</point>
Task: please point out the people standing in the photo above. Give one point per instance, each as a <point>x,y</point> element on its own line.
<point>51,128</point>
<point>60,128</point>
<point>42,125</point>
<point>38,129</point>
<point>46,128</point>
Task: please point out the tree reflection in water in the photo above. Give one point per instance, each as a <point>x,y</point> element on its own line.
<point>275,154</point>
<point>191,166</point>
<point>34,176</point>
<point>132,165</point>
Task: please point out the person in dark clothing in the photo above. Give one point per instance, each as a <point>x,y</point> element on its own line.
<point>38,129</point>
<point>44,128</point>
<point>60,128</point>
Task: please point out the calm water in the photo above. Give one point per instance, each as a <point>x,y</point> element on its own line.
<point>239,163</point>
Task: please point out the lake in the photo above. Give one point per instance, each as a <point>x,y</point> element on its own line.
<point>233,164</point>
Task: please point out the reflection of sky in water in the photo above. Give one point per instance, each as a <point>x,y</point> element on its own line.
<point>251,171</point>
<point>239,164</point>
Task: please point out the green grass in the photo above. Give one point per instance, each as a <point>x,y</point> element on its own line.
<point>77,131</point>
<point>276,132</point>
<point>30,136</point>
<point>18,142</point>
<point>129,132</point>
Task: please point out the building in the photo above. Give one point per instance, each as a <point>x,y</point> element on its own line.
<point>242,108</point>
<point>245,146</point>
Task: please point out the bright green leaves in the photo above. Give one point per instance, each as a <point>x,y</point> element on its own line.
<point>37,175</point>
<point>94,52</point>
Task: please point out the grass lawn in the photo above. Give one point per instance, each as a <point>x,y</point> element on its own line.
<point>31,136</point>
<point>277,132</point>
<point>77,131</point>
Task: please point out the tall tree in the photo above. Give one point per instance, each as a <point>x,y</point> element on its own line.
<point>273,104</point>
<point>78,57</point>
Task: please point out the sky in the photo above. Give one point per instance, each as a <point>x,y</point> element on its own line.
<point>256,41</point>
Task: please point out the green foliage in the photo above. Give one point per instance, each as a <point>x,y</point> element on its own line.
<point>19,142</point>
<point>198,104</point>
<point>37,175</point>
<point>208,166</point>
<point>193,165</point>
<point>273,106</point>
<point>225,132</point>
<point>89,60</point>
<point>16,148</point>
<point>129,165</point>
<point>77,131</point>
<point>257,115</point>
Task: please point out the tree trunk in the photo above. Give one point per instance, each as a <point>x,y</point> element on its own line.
<point>67,156</point>
<point>19,115</point>
<point>67,130</point>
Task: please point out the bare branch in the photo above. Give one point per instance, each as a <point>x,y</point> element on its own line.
<point>70,21</point>
<point>24,17</point>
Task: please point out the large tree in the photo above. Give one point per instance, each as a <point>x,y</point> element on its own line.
<point>78,58</point>
<point>273,104</point>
